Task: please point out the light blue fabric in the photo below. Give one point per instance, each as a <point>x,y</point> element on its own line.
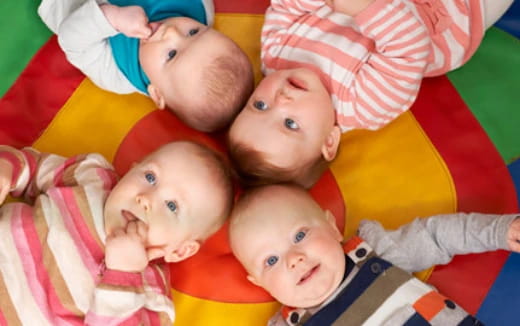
<point>126,49</point>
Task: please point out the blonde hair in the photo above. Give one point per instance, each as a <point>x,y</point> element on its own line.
<point>254,170</point>
<point>221,173</point>
<point>228,82</point>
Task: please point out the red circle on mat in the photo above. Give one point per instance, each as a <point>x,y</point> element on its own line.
<point>213,273</point>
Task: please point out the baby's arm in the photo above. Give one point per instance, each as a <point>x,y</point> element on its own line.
<point>282,14</point>
<point>386,82</point>
<point>83,36</point>
<point>32,173</point>
<point>426,242</point>
<point>349,7</point>
<point>129,292</point>
<point>6,176</point>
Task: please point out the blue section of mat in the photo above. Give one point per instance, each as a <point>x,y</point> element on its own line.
<point>501,306</point>
<point>510,22</point>
<point>514,170</point>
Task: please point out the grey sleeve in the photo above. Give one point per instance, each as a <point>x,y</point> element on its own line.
<point>54,12</point>
<point>426,242</point>
<point>83,36</point>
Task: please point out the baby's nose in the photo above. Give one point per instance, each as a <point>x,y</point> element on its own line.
<point>143,201</point>
<point>171,32</point>
<point>283,95</point>
<point>295,258</point>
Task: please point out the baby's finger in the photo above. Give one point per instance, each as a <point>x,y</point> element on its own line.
<point>514,234</point>
<point>142,230</point>
<point>514,245</point>
<point>146,32</point>
<point>131,228</point>
<point>116,233</point>
<point>4,191</point>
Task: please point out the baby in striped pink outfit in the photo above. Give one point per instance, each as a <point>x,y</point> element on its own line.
<point>87,249</point>
<point>336,65</point>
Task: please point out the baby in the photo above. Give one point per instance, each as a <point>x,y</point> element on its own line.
<point>293,249</point>
<point>338,65</point>
<point>87,249</point>
<point>162,48</point>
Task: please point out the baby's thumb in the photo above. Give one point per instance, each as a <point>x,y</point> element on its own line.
<point>146,32</point>
<point>4,191</point>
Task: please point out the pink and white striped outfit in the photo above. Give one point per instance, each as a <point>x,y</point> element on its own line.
<point>51,251</point>
<point>372,64</point>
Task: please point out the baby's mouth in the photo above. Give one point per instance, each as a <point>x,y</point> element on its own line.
<point>154,26</point>
<point>128,216</point>
<point>297,83</point>
<point>307,276</point>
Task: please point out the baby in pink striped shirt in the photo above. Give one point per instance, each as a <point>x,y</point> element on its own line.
<point>87,249</point>
<point>335,65</point>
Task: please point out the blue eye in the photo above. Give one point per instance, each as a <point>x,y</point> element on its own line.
<point>172,206</point>
<point>291,124</point>
<point>271,260</point>
<point>193,31</point>
<point>299,236</point>
<point>150,178</point>
<point>171,54</point>
<point>260,105</point>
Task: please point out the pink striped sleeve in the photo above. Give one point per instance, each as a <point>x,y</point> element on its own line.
<point>79,170</point>
<point>388,82</point>
<point>16,164</point>
<point>123,298</point>
<point>40,285</point>
<point>282,14</point>
<point>296,7</point>
<point>24,163</point>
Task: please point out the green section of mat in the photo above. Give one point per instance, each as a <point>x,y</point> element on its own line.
<point>490,85</point>
<point>23,34</point>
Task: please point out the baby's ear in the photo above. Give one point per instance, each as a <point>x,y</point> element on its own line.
<point>171,255</point>
<point>329,149</point>
<point>252,280</point>
<point>186,249</point>
<point>156,96</point>
<point>332,221</point>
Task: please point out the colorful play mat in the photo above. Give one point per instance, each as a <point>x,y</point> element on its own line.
<point>456,150</point>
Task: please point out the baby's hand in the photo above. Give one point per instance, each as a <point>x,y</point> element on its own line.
<point>513,235</point>
<point>125,248</point>
<point>6,174</point>
<point>349,7</point>
<point>131,20</point>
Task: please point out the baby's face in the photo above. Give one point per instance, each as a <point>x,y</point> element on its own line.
<point>288,118</point>
<point>295,255</point>
<point>172,191</point>
<point>175,55</point>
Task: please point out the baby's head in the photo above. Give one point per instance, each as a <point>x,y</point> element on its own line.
<point>197,72</point>
<point>182,192</point>
<point>288,245</point>
<point>287,131</point>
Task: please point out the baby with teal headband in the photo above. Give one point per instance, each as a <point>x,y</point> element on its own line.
<point>165,49</point>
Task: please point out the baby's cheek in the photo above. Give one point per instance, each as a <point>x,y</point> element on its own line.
<point>279,286</point>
